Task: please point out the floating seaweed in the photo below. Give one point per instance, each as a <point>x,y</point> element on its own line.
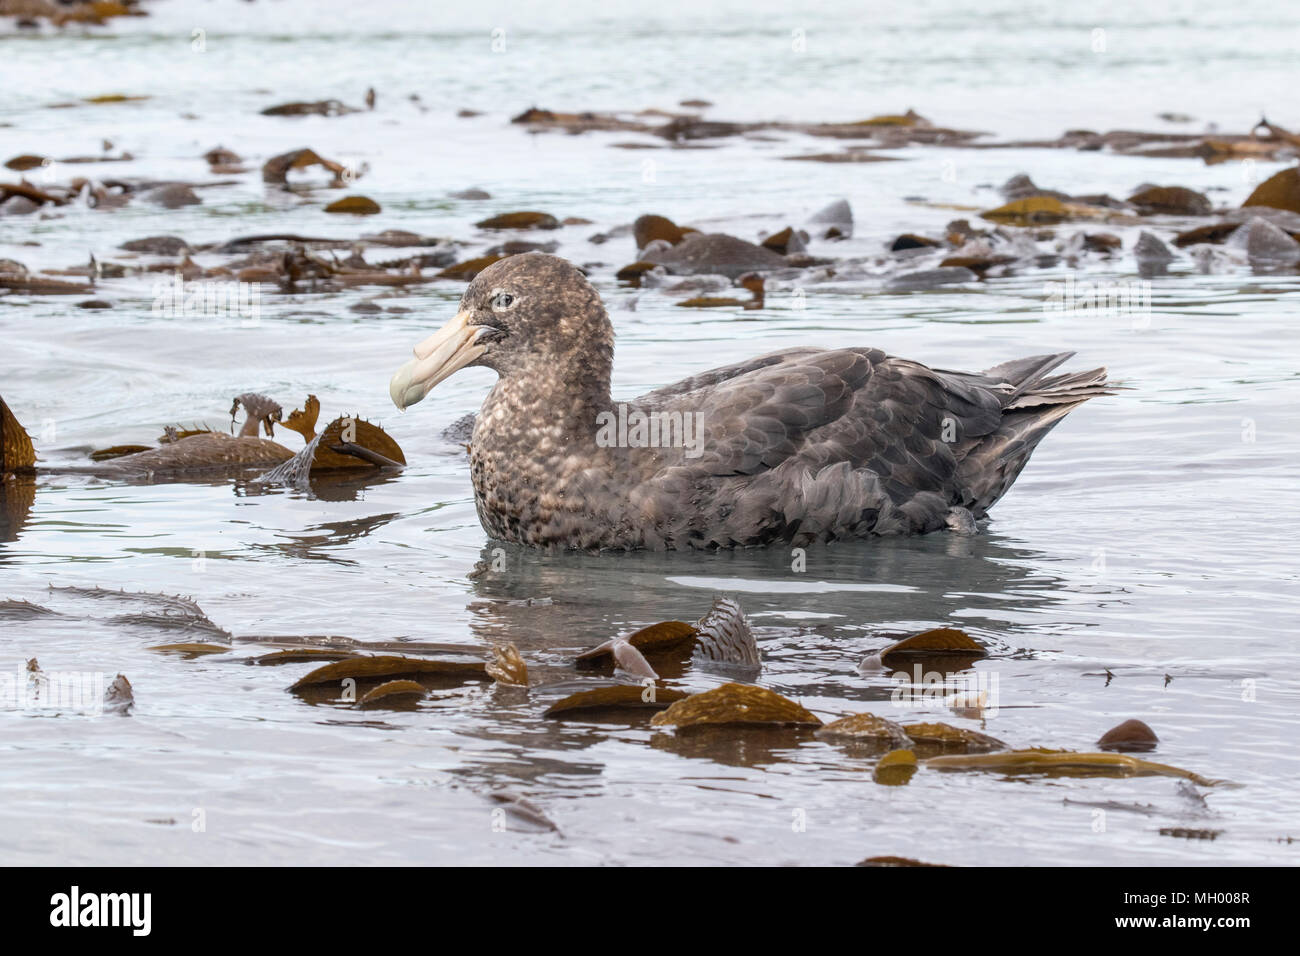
<point>1064,763</point>
<point>373,668</point>
<point>736,704</point>
<point>615,699</point>
<point>507,666</point>
<point>400,694</point>
<point>866,728</point>
<point>895,768</point>
<point>945,738</point>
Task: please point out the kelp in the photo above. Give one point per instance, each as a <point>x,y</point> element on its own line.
<point>1064,763</point>
<point>373,668</point>
<point>666,637</point>
<point>895,768</point>
<point>616,698</point>
<point>947,738</point>
<point>507,666</point>
<point>394,693</point>
<point>866,728</point>
<point>736,704</point>
<point>190,650</point>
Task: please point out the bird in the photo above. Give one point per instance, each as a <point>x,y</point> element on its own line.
<point>797,446</point>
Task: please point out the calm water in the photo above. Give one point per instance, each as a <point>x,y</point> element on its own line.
<point>1150,536</point>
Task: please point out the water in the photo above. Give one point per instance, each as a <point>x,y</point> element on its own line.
<point>1148,537</point>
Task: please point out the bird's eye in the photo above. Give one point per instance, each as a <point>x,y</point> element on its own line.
<point>502,301</point>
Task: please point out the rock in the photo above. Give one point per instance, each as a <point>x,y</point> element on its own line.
<point>118,697</point>
<point>12,267</point>
<point>1131,736</point>
<point>1264,242</point>
<point>910,240</point>
<point>1021,186</point>
<point>834,221</point>
<point>929,279</point>
<point>714,253</point>
<point>1282,218</point>
<point>695,104</point>
<point>1148,248</point>
<point>354,205</point>
<point>365,308</point>
<point>1170,201</point>
<point>173,196</point>
<point>18,206</point>
<point>94,304</point>
<point>647,228</point>
<point>158,245</point>
<point>787,241</point>
<point>475,194</point>
<point>1280,191</point>
<point>520,220</point>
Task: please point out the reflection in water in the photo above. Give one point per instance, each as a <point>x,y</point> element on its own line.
<point>17,494</point>
<point>852,587</point>
<point>316,541</point>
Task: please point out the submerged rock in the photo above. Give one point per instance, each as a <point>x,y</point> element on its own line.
<point>1149,248</point>
<point>1170,201</point>
<point>158,246</point>
<point>834,221</point>
<point>1264,242</point>
<point>714,253</point>
<point>118,697</point>
<point>173,196</point>
<point>930,279</point>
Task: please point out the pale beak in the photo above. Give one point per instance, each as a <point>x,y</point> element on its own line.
<point>452,347</point>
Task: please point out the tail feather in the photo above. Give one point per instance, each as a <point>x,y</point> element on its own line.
<point>1036,403</point>
<point>1023,374</point>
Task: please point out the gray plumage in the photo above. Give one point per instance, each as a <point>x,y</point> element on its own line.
<point>797,446</point>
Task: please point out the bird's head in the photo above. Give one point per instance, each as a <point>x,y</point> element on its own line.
<point>529,314</point>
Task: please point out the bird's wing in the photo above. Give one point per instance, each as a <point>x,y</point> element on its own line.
<point>900,419</point>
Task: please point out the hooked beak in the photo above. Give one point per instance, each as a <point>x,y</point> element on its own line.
<point>452,347</point>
